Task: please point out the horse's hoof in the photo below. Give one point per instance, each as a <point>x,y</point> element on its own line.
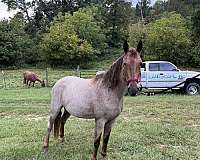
<point>45,150</point>
<point>93,158</point>
<point>103,154</point>
<point>62,140</point>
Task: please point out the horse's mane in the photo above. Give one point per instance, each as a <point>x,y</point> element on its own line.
<point>111,78</point>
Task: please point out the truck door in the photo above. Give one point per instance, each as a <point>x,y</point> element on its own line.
<point>162,75</point>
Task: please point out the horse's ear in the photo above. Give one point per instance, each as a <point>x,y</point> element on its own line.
<point>125,46</point>
<point>139,46</point>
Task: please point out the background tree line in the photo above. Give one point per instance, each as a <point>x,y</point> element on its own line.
<point>74,32</point>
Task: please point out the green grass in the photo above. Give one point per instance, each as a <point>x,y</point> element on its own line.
<point>164,127</point>
<point>14,78</point>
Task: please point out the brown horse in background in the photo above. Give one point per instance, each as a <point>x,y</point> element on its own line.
<point>31,77</point>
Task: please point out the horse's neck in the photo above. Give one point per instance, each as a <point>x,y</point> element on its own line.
<point>120,88</point>
<point>37,79</point>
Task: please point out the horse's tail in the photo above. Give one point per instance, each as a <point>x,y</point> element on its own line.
<point>56,106</point>
<point>56,126</point>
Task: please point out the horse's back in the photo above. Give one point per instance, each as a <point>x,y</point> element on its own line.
<point>29,75</point>
<point>72,86</point>
<point>75,94</point>
<point>71,80</point>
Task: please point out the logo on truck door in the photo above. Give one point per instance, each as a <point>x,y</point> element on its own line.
<point>167,76</point>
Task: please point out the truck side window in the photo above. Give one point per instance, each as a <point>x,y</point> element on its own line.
<point>167,67</point>
<point>153,66</point>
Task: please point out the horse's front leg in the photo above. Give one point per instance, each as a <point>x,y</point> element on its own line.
<point>24,80</point>
<point>106,134</point>
<point>29,83</point>
<point>99,124</point>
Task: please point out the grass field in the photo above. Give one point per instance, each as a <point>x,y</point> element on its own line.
<point>164,127</point>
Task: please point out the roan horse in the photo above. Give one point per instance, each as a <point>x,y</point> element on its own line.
<point>99,98</point>
<point>31,77</point>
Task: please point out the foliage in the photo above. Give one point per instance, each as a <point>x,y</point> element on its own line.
<point>168,39</point>
<point>136,32</point>
<point>16,47</point>
<point>73,38</point>
<point>142,8</point>
<point>21,5</point>
<point>186,8</point>
<point>196,54</point>
<point>195,20</point>
<point>196,25</point>
<point>117,16</point>
<point>94,25</point>
<point>160,7</point>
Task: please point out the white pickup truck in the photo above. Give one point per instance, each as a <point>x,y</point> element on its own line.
<point>157,75</point>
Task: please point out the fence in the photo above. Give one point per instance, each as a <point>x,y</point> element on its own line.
<point>14,78</point>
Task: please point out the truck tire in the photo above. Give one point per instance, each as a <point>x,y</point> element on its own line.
<point>192,88</point>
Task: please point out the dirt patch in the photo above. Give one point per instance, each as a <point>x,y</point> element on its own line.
<point>31,117</point>
<point>194,126</point>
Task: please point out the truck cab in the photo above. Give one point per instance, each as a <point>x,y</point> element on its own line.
<point>159,75</point>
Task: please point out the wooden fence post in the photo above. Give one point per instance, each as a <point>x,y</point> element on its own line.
<point>4,79</point>
<point>47,80</point>
<point>78,72</point>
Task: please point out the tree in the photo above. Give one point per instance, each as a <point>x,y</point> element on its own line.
<point>117,15</point>
<point>16,47</point>
<point>168,39</point>
<point>196,25</point>
<point>137,32</point>
<point>73,39</point>
<point>22,5</point>
<point>142,8</point>
<point>160,6</point>
<point>186,8</point>
<point>196,37</point>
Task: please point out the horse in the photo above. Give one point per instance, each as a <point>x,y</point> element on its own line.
<point>99,98</point>
<point>31,77</point>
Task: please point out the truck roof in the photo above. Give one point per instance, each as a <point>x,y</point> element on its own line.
<point>156,62</point>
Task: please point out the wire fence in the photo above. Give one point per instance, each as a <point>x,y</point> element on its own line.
<point>14,78</point>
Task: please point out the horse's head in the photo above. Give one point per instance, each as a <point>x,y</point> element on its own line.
<point>43,83</point>
<point>131,67</point>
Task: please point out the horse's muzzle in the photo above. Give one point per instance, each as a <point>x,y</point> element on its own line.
<point>134,89</point>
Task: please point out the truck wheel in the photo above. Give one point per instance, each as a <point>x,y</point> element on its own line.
<point>192,88</point>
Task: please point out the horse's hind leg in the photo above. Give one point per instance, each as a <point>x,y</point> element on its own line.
<point>106,134</point>
<point>99,124</point>
<point>63,120</point>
